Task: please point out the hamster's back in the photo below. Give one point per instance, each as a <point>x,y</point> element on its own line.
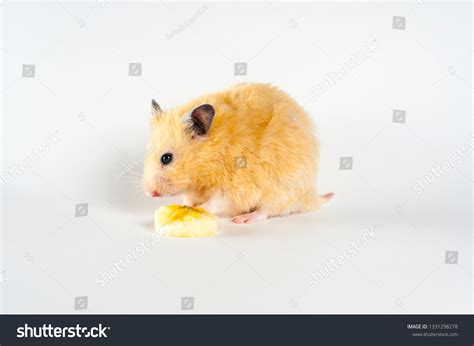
<point>267,127</point>
<point>258,111</point>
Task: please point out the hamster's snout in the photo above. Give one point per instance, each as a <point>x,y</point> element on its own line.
<point>155,186</point>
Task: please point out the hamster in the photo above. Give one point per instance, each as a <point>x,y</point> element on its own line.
<point>248,153</point>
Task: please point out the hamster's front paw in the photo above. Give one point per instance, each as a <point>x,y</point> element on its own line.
<point>189,201</point>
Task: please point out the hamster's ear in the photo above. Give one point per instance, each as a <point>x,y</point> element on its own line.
<point>201,119</point>
<point>155,108</point>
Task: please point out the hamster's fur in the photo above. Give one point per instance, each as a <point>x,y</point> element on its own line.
<point>248,152</point>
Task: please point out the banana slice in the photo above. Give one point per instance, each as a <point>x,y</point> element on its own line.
<point>182,221</point>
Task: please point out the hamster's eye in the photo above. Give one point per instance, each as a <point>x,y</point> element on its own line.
<point>166,158</point>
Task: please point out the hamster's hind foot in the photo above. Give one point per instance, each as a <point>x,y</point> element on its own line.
<point>249,217</point>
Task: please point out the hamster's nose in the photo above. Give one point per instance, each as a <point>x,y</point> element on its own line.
<point>155,194</point>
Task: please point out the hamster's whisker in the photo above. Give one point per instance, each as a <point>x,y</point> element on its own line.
<point>140,173</point>
<point>135,175</point>
<point>132,176</point>
<point>129,178</point>
<point>130,182</point>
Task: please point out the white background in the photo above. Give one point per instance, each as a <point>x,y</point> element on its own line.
<point>82,89</point>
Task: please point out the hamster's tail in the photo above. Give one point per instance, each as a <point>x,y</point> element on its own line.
<point>327,197</point>
<point>315,202</point>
